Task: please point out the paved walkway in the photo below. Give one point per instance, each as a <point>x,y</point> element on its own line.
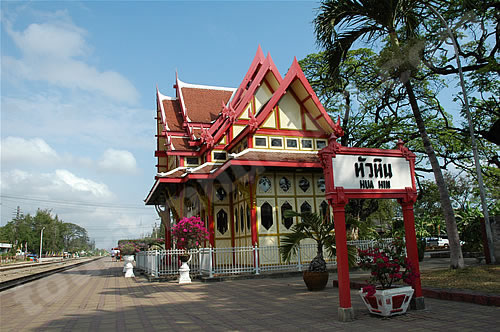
<point>96,297</point>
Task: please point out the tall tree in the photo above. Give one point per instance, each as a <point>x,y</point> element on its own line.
<point>340,23</point>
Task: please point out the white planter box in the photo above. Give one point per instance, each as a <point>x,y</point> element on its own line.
<point>388,302</point>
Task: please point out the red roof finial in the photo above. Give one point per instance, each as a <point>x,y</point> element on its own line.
<point>337,129</point>
<point>253,123</point>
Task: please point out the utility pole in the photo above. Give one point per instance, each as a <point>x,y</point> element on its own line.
<point>41,238</point>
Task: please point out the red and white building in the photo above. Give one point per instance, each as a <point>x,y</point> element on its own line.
<point>239,157</point>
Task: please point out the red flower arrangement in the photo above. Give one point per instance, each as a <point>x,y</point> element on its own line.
<point>388,266</point>
<point>189,233</point>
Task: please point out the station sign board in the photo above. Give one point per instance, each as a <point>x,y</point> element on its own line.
<point>371,172</point>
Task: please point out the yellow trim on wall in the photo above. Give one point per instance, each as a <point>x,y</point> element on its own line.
<point>270,121</point>
<point>244,115</point>
<point>237,129</point>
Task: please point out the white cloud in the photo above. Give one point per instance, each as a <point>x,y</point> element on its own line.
<point>121,161</point>
<point>58,39</point>
<point>51,52</point>
<point>33,151</point>
<point>66,179</point>
<point>78,119</point>
<point>59,185</point>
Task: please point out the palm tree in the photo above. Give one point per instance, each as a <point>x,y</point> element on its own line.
<point>312,226</point>
<point>341,22</point>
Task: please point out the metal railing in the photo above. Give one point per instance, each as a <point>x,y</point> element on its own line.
<point>235,260</point>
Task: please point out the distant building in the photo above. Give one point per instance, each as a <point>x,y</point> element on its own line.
<point>5,247</point>
<point>239,157</point>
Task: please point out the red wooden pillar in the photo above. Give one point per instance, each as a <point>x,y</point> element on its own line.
<point>411,246</point>
<point>342,259</point>
<point>338,203</point>
<point>338,200</point>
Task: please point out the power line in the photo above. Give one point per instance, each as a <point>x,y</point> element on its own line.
<point>75,203</point>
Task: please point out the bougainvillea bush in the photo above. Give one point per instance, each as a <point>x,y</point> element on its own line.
<point>189,233</point>
<point>128,248</point>
<point>388,266</point>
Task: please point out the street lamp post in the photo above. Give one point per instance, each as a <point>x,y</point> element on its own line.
<point>41,238</point>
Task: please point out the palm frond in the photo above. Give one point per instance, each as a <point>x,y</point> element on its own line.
<point>290,244</point>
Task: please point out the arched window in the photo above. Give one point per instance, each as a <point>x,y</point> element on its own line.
<point>236,224</point>
<point>222,221</point>
<point>305,207</point>
<point>287,222</point>
<point>324,211</point>
<point>242,219</point>
<point>249,223</point>
<point>266,215</point>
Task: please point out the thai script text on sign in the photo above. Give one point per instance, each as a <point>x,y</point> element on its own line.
<point>371,172</point>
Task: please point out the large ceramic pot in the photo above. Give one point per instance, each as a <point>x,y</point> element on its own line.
<point>388,302</point>
<point>315,281</point>
<point>129,266</point>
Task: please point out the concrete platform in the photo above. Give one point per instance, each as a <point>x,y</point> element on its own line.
<point>96,297</point>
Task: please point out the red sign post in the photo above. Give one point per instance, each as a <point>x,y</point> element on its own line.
<point>352,173</point>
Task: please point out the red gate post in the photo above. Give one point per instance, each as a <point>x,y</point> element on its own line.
<point>345,311</point>
<point>337,199</point>
<point>411,246</point>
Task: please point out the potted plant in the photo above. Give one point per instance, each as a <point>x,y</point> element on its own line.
<point>188,234</point>
<point>312,226</point>
<point>388,266</point>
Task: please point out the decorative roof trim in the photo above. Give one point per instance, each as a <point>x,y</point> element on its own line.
<point>160,97</point>
<point>162,174</point>
<point>181,98</point>
<point>205,87</point>
<point>208,163</point>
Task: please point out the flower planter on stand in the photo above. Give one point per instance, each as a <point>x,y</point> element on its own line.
<point>129,267</point>
<point>388,302</point>
<point>184,269</point>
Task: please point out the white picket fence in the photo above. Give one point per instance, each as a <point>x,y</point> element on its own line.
<point>235,260</point>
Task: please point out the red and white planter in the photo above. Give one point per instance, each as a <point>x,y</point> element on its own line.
<point>388,302</point>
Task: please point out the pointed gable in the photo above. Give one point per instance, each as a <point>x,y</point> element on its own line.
<point>262,72</point>
<point>297,105</point>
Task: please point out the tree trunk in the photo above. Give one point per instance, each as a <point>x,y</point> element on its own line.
<point>456,257</point>
<point>345,139</point>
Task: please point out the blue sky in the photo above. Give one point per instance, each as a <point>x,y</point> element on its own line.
<point>78,95</point>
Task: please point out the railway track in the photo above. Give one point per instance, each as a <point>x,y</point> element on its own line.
<point>15,275</point>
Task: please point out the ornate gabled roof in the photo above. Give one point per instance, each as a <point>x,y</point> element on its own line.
<point>294,80</point>
<point>259,68</point>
